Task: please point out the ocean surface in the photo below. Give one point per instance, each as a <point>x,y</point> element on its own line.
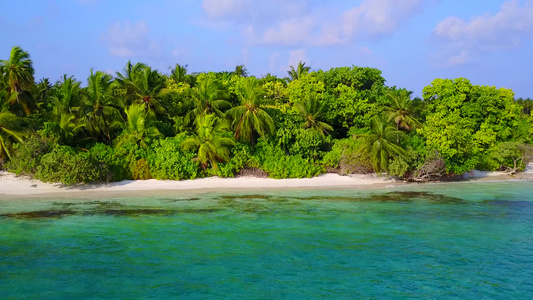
<point>456,240</point>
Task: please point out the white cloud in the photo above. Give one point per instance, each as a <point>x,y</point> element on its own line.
<point>290,32</point>
<point>273,62</point>
<point>507,29</point>
<point>297,56</point>
<point>305,22</point>
<point>219,9</point>
<point>127,40</point>
<point>378,17</point>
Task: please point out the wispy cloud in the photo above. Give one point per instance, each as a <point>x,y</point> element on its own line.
<point>131,40</point>
<point>305,23</point>
<point>461,40</point>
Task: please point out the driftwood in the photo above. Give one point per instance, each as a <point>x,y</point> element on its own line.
<point>433,168</point>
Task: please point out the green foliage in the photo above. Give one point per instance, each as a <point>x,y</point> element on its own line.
<point>295,119</point>
<point>211,141</point>
<point>241,157</point>
<point>278,164</point>
<point>68,166</point>
<point>250,116</point>
<point>464,121</point>
<point>168,161</point>
<point>28,156</point>
<point>18,70</point>
<point>512,156</point>
<point>380,146</point>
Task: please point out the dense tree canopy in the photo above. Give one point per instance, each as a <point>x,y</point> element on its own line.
<point>142,123</point>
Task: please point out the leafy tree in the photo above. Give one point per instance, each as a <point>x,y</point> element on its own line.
<point>512,156</point>
<point>19,72</point>
<point>311,110</point>
<point>298,72</point>
<point>380,145</point>
<point>464,121</point>
<point>250,116</point>
<point>11,130</point>
<point>210,141</point>
<point>101,107</point>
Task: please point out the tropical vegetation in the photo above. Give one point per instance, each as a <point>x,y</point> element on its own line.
<point>141,123</point>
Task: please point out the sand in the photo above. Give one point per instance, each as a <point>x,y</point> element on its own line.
<point>13,185</point>
<point>21,186</point>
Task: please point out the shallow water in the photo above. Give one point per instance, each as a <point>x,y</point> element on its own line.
<point>464,240</point>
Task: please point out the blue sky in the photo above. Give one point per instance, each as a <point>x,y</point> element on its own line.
<point>413,42</point>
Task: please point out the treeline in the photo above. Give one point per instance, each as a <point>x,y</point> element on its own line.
<point>141,124</point>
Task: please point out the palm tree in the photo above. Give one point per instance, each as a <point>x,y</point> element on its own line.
<point>68,96</point>
<point>210,141</point>
<point>10,131</point>
<point>19,72</point>
<point>178,73</point>
<point>69,126</point>
<point>125,78</point>
<point>380,145</point>
<point>298,72</point>
<point>101,108</point>
<point>241,71</point>
<point>401,110</point>
<point>139,126</point>
<point>146,85</point>
<point>250,116</point>
<point>209,98</point>
<point>312,112</point>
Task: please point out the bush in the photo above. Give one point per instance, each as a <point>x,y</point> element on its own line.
<point>28,156</point>
<point>167,161</point>
<point>241,157</point>
<point>66,165</point>
<point>278,164</point>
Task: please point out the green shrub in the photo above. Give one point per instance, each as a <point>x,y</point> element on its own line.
<point>241,157</point>
<point>168,161</point>
<point>68,166</point>
<point>278,164</point>
<point>28,156</point>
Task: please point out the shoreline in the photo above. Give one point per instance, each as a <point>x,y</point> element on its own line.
<point>23,187</point>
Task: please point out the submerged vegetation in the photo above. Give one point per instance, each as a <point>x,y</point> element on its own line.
<point>141,124</point>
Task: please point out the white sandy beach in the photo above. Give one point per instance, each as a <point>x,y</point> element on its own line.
<point>12,185</point>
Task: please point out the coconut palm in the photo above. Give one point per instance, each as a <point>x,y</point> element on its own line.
<point>11,130</point>
<point>19,72</point>
<point>380,145</point>
<point>250,116</point>
<point>401,110</point>
<point>144,87</point>
<point>69,126</point>
<point>67,97</point>
<point>210,140</point>
<point>139,126</point>
<point>209,98</point>
<point>299,71</point>
<point>241,71</point>
<point>178,73</point>
<point>124,79</point>
<point>101,107</point>
<point>312,112</point>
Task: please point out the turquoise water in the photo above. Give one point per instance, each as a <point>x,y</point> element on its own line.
<point>465,240</point>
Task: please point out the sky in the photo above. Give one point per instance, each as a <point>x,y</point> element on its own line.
<point>412,42</point>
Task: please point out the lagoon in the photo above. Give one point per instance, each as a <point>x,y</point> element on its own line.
<point>462,240</point>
